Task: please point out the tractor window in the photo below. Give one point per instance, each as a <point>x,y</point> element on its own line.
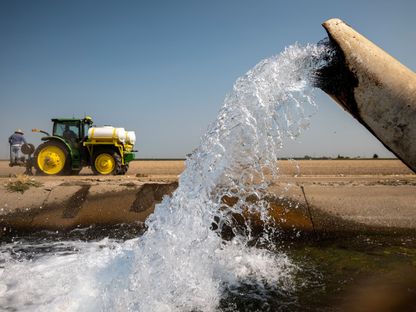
<point>68,131</point>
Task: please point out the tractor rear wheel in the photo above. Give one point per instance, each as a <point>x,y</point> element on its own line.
<point>106,162</point>
<point>52,158</point>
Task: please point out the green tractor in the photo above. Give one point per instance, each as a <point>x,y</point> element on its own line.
<point>76,143</point>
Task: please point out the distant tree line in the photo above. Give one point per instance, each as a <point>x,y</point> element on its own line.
<point>308,157</point>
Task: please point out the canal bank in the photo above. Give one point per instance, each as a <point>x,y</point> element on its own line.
<point>306,203</point>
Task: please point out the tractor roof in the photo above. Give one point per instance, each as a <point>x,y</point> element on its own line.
<point>65,119</point>
<point>70,119</point>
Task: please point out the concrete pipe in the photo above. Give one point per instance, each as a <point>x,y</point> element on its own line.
<point>374,87</point>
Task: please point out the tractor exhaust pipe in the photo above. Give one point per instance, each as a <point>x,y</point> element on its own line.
<point>374,87</point>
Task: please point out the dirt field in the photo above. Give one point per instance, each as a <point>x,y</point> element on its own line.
<point>170,169</point>
<point>345,167</point>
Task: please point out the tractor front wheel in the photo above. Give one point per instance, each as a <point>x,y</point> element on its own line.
<point>106,162</point>
<point>52,158</point>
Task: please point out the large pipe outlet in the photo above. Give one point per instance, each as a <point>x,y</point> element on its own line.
<point>374,87</point>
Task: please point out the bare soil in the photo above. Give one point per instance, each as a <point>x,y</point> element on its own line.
<point>170,169</point>
<point>345,167</point>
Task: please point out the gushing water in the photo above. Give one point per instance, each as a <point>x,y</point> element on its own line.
<point>182,263</point>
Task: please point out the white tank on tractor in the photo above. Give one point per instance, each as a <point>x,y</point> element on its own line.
<point>109,133</point>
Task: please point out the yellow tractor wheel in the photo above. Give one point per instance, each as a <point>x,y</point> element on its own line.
<point>106,162</point>
<point>51,158</point>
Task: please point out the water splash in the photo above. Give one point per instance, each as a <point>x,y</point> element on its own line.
<point>182,263</point>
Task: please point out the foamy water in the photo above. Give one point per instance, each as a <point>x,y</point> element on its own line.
<point>181,263</point>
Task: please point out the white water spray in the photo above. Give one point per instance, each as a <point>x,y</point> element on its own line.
<point>181,263</point>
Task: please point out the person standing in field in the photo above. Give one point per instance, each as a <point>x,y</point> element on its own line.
<point>16,140</point>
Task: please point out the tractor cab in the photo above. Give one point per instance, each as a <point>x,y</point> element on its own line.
<point>73,131</point>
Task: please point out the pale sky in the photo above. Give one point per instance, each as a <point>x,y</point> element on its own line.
<point>163,68</point>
